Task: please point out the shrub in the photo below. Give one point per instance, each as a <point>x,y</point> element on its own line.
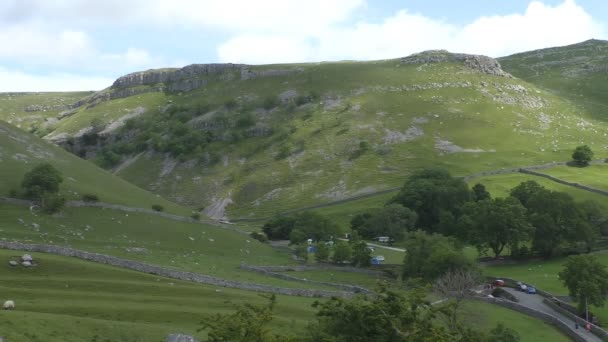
<point>157,207</point>
<point>195,216</point>
<point>90,198</point>
<point>259,236</point>
<point>270,102</point>
<point>52,203</point>
<point>502,293</point>
<point>13,193</point>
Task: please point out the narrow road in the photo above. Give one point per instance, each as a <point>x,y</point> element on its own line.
<point>535,301</point>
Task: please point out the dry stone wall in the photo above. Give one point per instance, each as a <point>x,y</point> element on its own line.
<point>170,273</point>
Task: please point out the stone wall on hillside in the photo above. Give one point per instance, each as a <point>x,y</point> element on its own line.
<point>170,273</point>
<point>279,275</point>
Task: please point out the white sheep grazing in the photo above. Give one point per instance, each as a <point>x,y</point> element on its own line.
<point>8,305</point>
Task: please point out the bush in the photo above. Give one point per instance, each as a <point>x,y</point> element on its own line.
<point>259,236</point>
<point>52,203</point>
<point>157,207</point>
<point>195,216</point>
<point>270,102</point>
<point>13,193</point>
<point>90,198</point>
<point>499,292</point>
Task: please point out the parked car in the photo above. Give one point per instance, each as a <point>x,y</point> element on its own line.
<point>523,287</point>
<point>499,282</point>
<point>531,290</point>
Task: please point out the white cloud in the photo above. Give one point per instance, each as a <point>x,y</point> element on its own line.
<point>405,33</point>
<point>228,15</point>
<point>15,81</point>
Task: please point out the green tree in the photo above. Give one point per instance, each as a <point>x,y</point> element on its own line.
<point>387,317</point>
<point>342,252</point>
<point>480,193</point>
<point>393,221</point>
<point>495,224</point>
<point>503,334</point>
<point>42,179</point>
<point>41,185</point>
<point>429,192</point>
<point>586,279</point>
<point>301,252</point>
<point>322,253</point>
<point>300,227</point>
<point>249,323</point>
<point>525,190</point>
<point>582,155</point>
<point>362,255</point>
<point>431,255</point>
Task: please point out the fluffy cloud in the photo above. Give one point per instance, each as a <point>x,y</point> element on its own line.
<point>16,81</point>
<point>405,33</point>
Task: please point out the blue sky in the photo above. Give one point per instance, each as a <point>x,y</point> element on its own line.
<point>86,44</point>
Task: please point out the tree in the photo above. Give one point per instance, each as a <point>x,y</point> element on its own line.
<point>503,334</point>
<point>322,253</point>
<point>586,279</point>
<point>386,317</point>
<point>456,285</point>
<point>42,179</point>
<point>429,192</point>
<point>342,252</point>
<point>301,252</point>
<point>393,221</point>
<point>248,324</point>
<point>300,227</point>
<point>480,193</point>
<point>41,185</point>
<point>496,223</point>
<point>362,255</point>
<point>582,155</point>
<point>525,190</point>
<point>431,255</point>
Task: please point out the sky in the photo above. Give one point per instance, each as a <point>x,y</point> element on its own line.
<point>68,45</point>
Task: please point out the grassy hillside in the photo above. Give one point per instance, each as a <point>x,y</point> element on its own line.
<point>578,72</point>
<point>65,299</point>
<point>298,135</point>
<point>20,151</point>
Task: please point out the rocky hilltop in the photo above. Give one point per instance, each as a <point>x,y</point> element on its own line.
<point>479,63</point>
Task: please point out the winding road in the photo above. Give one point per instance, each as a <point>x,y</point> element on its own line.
<point>535,301</point>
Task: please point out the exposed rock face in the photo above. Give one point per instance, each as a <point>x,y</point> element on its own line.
<point>483,64</point>
<point>183,79</point>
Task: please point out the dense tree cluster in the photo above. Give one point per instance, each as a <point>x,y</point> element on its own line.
<point>300,227</point>
<point>551,220</point>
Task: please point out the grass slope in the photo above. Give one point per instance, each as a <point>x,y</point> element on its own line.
<point>65,299</point>
<point>370,126</point>
<point>576,72</point>
<point>21,151</point>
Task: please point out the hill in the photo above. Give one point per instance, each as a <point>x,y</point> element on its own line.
<point>577,72</point>
<point>20,151</point>
<point>254,140</point>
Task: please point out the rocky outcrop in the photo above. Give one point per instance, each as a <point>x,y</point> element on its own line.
<point>190,72</point>
<point>479,63</point>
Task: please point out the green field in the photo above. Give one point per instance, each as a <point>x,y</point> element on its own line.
<point>500,185</point>
<point>65,299</point>
<point>595,175</point>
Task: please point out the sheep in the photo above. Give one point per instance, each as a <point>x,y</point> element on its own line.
<point>8,305</point>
